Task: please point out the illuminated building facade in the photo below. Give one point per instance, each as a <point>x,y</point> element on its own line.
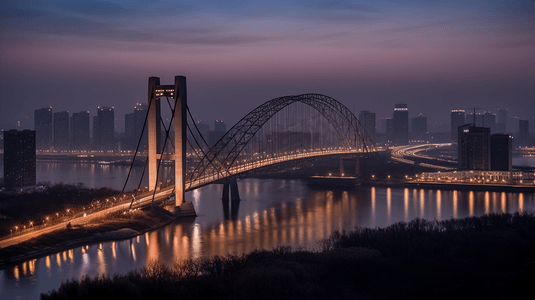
<point>19,158</point>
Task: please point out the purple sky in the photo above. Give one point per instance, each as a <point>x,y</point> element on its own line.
<point>433,55</point>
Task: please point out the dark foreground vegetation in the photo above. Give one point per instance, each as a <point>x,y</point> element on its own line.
<point>489,257</point>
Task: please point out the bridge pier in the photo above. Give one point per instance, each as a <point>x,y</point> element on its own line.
<point>357,165</point>
<point>232,185</point>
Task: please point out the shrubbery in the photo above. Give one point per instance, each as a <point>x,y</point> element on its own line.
<point>480,257</point>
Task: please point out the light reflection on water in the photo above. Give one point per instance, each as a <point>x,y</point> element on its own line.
<point>272,213</point>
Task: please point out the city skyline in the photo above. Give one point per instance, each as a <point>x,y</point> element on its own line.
<point>434,57</point>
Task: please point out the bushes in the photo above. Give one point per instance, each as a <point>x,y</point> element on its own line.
<point>486,257</point>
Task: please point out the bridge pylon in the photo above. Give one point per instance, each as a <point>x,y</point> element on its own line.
<point>156,153</point>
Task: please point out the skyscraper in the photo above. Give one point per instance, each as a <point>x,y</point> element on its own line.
<point>419,128</point>
<point>95,138</point>
<point>489,120</point>
<point>43,128</point>
<point>419,124</point>
<point>501,152</point>
<point>19,158</point>
<point>523,131</point>
<point>219,125</point>
<point>367,120</point>
<point>501,121</point>
<point>61,131</point>
<point>80,130</point>
<point>106,128</point>
<point>129,132</point>
<point>457,119</point>
<point>473,148</point>
<point>140,113</point>
<point>401,124</point>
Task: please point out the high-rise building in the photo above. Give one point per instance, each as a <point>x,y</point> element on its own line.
<point>523,132</point>
<point>473,148</point>
<point>129,132</point>
<point>19,158</point>
<point>501,121</point>
<point>220,128</point>
<point>501,152</point>
<point>401,124</point>
<point>419,124</point>
<point>389,130</point>
<point>80,131</point>
<point>61,131</point>
<point>367,120</point>
<point>140,114</point>
<point>43,128</point>
<point>419,128</point>
<point>106,128</point>
<point>457,119</point>
<point>219,125</point>
<point>489,120</point>
<point>96,139</point>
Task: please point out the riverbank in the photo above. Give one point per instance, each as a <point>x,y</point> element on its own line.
<point>453,186</point>
<point>491,257</point>
<point>116,226</point>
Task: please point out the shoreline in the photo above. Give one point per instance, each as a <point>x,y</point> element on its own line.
<point>97,236</point>
<point>457,186</point>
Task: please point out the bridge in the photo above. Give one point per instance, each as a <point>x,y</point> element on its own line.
<point>283,129</point>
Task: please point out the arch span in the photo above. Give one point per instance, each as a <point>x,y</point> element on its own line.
<point>224,153</point>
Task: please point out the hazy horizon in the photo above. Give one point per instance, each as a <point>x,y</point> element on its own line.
<point>236,55</point>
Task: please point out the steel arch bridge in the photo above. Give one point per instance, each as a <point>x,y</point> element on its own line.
<point>221,161</point>
<point>262,138</point>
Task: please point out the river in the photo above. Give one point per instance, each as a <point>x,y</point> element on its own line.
<point>272,212</point>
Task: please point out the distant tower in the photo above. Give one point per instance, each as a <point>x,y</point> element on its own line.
<point>401,124</point>
<point>501,121</point>
<point>523,131</point>
<point>367,119</point>
<point>96,139</point>
<point>140,114</point>
<point>457,119</point>
<point>106,128</point>
<point>43,128</point>
<point>474,148</point>
<point>389,130</point>
<point>419,127</point>
<point>501,152</point>
<point>80,131</point>
<point>61,131</point>
<point>19,158</point>
<point>220,128</point>
<point>129,132</point>
<point>489,120</point>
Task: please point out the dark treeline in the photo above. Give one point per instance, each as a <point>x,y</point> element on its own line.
<point>490,257</point>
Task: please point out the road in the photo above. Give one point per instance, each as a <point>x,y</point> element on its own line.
<point>81,220</point>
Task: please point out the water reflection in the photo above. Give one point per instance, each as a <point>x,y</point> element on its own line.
<point>273,213</point>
